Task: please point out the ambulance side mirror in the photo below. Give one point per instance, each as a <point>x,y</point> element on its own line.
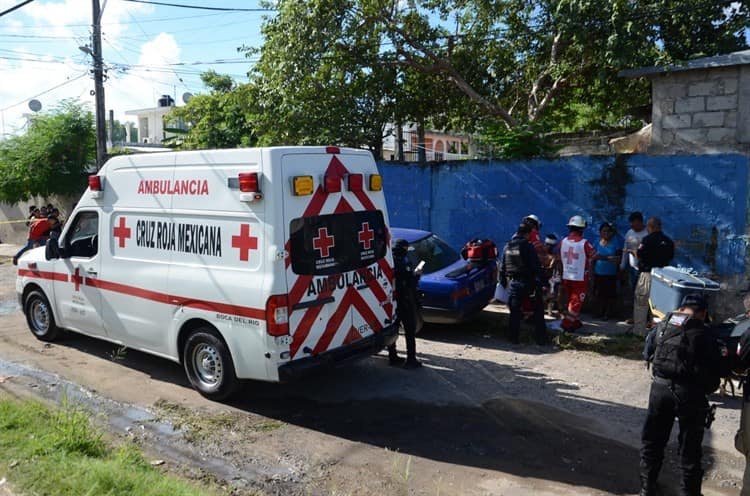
<point>53,250</point>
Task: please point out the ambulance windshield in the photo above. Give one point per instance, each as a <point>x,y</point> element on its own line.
<point>336,243</point>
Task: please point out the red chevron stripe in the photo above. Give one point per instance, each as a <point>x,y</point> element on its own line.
<point>334,322</point>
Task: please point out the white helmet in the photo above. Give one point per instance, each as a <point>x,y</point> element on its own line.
<point>577,221</point>
<point>535,219</point>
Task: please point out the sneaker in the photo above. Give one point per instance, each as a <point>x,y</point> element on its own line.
<point>413,364</point>
<point>396,361</point>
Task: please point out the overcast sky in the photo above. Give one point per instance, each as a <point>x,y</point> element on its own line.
<point>141,44</point>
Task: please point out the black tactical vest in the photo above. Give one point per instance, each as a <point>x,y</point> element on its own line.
<point>514,263</point>
<point>672,358</point>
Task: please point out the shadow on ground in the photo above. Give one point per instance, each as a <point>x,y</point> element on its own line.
<point>377,405</point>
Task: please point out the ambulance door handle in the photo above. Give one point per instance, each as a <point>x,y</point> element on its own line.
<point>314,303</point>
<point>91,272</point>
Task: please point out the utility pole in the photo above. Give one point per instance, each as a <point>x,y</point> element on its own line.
<point>96,45</point>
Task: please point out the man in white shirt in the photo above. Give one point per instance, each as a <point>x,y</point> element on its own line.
<point>633,239</point>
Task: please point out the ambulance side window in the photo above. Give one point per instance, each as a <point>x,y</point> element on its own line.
<point>82,239</point>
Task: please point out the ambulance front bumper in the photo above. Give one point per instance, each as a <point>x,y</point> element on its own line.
<point>339,356</point>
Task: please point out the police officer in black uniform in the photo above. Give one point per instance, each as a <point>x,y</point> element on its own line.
<point>520,272</point>
<point>685,360</point>
<point>407,304</point>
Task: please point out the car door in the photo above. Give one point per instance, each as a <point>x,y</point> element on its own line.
<point>78,298</point>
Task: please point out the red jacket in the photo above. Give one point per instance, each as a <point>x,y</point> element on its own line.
<point>37,229</point>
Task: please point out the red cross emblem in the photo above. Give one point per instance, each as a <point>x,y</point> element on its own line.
<point>245,242</point>
<point>366,235</point>
<point>323,243</point>
<point>77,279</point>
<point>122,232</point>
<point>570,255</point>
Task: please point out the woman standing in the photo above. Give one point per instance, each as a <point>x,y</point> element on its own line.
<point>605,271</point>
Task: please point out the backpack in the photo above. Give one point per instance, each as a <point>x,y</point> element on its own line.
<point>672,358</point>
<point>479,251</point>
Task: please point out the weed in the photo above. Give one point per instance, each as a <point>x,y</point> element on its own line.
<point>200,426</point>
<point>118,354</point>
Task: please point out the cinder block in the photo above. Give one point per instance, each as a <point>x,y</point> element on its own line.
<point>667,138</point>
<point>708,119</point>
<point>726,102</point>
<point>707,88</point>
<point>721,135</point>
<point>691,136</point>
<point>676,121</point>
<point>730,86</point>
<point>664,90</point>
<point>730,119</point>
<point>691,104</point>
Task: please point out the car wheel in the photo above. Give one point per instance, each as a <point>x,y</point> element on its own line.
<point>39,317</point>
<point>208,365</point>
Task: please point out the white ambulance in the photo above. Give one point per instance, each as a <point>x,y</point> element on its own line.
<point>240,264</point>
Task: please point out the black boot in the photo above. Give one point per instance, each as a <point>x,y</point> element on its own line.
<point>393,358</point>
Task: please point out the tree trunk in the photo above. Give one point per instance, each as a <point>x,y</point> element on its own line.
<point>421,151</point>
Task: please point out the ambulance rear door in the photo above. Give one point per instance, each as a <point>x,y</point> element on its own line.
<point>338,268</point>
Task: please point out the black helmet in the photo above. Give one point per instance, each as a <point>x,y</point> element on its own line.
<point>696,301</point>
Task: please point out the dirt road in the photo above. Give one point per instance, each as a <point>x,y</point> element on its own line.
<point>482,418</point>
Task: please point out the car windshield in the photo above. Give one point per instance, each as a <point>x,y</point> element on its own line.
<point>435,253</point>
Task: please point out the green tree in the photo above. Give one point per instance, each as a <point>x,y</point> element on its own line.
<point>221,118</point>
<point>52,157</point>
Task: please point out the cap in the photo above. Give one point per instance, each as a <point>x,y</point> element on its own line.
<point>399,244</point>
<point>696,301</point>
<point>550,239</point>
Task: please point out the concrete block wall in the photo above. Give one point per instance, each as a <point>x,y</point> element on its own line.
<point>703,110</point>
<point>702,200</point>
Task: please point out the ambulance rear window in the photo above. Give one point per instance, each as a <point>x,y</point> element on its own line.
<point>331,244</point>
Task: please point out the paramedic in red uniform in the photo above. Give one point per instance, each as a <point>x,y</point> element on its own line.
<point>407,304</point>
<point>37,232</point>
<point>576,254</point>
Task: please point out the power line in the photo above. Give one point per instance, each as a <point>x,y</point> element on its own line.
<point>8,11</point>
<point>45,91</point>
<point>160,19</point>
<point>201,7</point>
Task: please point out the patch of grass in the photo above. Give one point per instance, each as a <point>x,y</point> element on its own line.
<point>200,426</point>
<point>622,345</point>
<point>60,453</point>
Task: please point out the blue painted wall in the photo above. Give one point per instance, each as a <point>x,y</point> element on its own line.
<point>702,199</point>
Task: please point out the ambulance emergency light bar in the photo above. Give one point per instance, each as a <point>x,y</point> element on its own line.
<point>305,185</point>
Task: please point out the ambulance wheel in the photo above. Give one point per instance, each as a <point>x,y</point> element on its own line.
<point>209,365</point>
<point>39,317</point>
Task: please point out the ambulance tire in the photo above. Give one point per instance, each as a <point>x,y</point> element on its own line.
<point>208,364</point>
<point>39,316</point>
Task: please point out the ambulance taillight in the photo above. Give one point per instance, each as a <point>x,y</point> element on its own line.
<point>277,315</point>
<point>356,182</point>
<point>249,183</point>
<point>376,182</point>
<point>95,185</point>
<point>332,184</point>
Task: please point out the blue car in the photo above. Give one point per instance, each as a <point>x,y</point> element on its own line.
<point>453,290</point>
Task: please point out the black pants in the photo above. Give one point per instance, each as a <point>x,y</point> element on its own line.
<point>689,405</point>
<point>517,292</point>
<point>406,315</point>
